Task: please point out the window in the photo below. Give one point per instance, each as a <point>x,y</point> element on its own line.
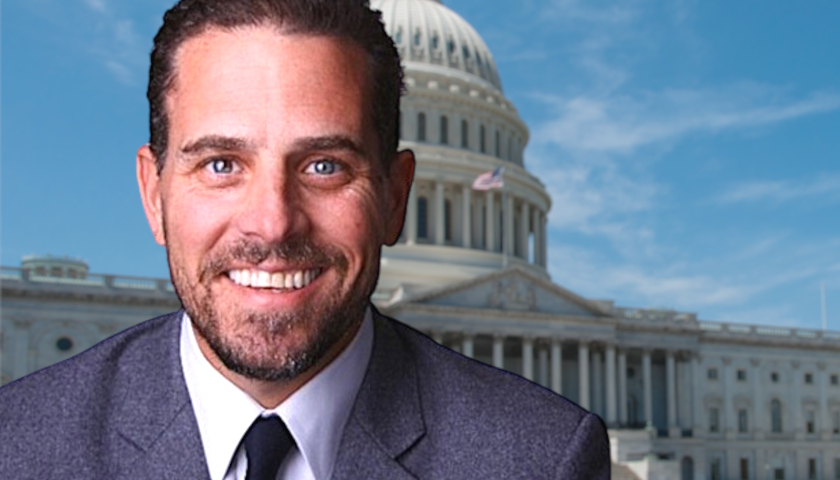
<point>630,372</point>
<point>776,416</point>
<point>422,218</point>
<point>741,375</point>
<point>482,139</point>
<point>810,422</point>
<point>55,272</point>
<point>712,373</point>
<point>835,379</point>
<point>742,420</point>
<point>498,145</point>
<point>444,130</point>
<point>714,419</point>
<point>745,469</point>
<point>447,220</point>
<point>421,127</point>
<point>835,421</point>
<point>809,378</point>
<point>715,469</point>
<point>774,377</point>
<point>465,139</point>
<point>837,469</point>
<point>812,469</point>
<point>779,474</point>
<point>64,344</point>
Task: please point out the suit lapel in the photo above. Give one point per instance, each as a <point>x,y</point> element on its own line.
<point>386,420</point>
<point>156,419</point>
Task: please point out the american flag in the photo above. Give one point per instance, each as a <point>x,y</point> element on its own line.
<point>490,180</point>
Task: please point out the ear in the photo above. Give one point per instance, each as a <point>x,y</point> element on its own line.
<point>149,181</point>
<point>400,178</point>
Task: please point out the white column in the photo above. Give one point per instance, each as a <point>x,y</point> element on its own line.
<point>467,345</point>
<point>524,228</point>
<point>489,222</point>
<point>556,366</point>
<point>728,425</point>
<point>528,358</point>
<point>543,239</point>
<point>622,387</point>
<point>597,399</point>
<point>759,415</point>
<point>20,350</point>
<point>825,420</point>
<point>535,222</point>
<point>648,388</point>
<point>796,403</point>
<point>508,230</point>
<point>439,216</point>
<point>542,365</point>
<point>671,388</point>
<point>466,216</point>
<point>611,385</point>
<point>583,374</point>
<point>411,216</point>
<point>499,351</point>
<point>699,429</point>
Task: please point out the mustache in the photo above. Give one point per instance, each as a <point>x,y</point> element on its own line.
<point>295,251</point>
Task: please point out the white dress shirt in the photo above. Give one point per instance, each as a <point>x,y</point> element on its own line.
<point>315,414</point>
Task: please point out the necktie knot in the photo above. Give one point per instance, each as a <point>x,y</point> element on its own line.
<point>266,444</point>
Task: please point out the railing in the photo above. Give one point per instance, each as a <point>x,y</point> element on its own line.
<point>767,331</point>
<point>90,280</point>
<point>655,315</point>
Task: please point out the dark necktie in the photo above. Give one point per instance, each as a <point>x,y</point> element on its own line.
<point>266,444</point>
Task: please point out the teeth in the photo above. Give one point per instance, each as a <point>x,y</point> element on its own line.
<point>279,280</point>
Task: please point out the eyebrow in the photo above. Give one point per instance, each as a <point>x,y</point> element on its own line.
<point>330,142</point>
<point>216,143</point>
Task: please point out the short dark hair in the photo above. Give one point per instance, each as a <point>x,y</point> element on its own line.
<point>345,19</point>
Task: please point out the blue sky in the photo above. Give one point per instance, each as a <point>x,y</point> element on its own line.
<point>692,149</point>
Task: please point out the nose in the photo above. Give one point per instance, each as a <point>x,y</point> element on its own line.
<point>272,210</point>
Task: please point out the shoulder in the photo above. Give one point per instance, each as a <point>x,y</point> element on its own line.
<point>491,413</point>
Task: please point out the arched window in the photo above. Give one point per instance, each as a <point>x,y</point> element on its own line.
<point>510,149</point>
<point>422,217</point>
<point>447,220</point>
<point>465,139</point>
<point>444,130</point>
<point>498,145</point>
<point>482,139</point>
<point>421,127</point>
<point>776,416</point>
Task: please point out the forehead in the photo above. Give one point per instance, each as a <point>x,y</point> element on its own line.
<point>231,77</point>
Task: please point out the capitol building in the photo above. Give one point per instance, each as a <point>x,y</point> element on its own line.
<point>682,398</point>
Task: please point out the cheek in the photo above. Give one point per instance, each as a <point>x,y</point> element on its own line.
<point>194,223</point>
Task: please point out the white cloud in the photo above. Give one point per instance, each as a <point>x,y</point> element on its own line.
<point>97,5</point>
<point>827,185</point>
<point>625,123</point>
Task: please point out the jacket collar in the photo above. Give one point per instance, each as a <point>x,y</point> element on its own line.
<point>387,419</point>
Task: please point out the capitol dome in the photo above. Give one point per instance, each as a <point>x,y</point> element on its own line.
<point>456,119</point>
<point>430,36</point>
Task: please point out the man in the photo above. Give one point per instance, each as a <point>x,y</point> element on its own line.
<point>272,179</point>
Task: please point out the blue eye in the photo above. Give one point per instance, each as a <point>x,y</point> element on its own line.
<point>324,167</point>
<point>221,165</point>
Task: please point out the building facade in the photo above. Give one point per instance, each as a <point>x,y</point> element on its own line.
<point>682,398</point>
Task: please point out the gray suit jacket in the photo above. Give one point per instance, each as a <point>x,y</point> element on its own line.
<point>121,411</point>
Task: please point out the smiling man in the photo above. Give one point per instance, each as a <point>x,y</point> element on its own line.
<point>272,178</point>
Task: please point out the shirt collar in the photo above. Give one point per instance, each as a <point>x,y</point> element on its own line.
<point>315,414</point>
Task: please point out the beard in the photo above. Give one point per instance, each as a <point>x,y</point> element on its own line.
<point>272,346</point>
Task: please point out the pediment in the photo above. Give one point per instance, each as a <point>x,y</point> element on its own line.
<point>513,289</point>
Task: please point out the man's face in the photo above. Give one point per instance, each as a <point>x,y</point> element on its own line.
<point>272,203</point>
